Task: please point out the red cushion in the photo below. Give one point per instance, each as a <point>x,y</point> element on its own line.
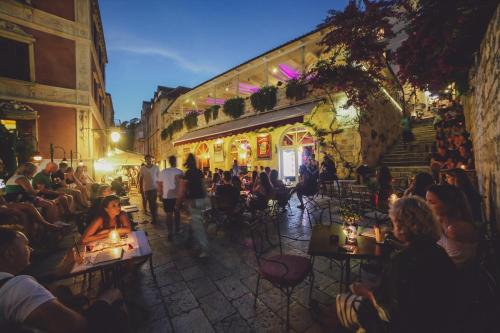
<point>298,269</point>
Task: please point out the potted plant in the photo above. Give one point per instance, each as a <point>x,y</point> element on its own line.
<point>191,120</point>
<point>207,114</point>
<point>296,89</point>
<point>215,111</point>
<point>234,107</point>
<point>264,99</point>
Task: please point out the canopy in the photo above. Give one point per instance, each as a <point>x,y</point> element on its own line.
<point>289,115</point>
<point>117,159</point>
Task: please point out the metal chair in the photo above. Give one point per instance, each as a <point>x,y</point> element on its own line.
<point>283,271</point>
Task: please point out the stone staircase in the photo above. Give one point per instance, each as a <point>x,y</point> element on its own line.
<point>407,160</point>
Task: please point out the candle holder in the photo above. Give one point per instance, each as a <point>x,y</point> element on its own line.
<point>114,236</point>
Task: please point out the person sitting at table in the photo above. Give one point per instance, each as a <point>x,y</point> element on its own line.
<point>216,180</point>
<point>111,218</point>
<point>42,181</point>
<point>236,182</point>
<point>96,208</point>
<point>227,196</point>
<point>19,189</point>
<point>416,291</point>
<point>308,181</point>
<point>118,187</point>
<point>280,192</point>
<point>25,302</point>
<point>459,237</point>
<point>458,177</point>
<point>254,180</point>
<point>420,184</point>
<point>384,186</point>
<point>261,193</point>
<point>71,180</point>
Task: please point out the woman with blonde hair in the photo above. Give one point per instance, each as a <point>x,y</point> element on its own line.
<point>416,292</point>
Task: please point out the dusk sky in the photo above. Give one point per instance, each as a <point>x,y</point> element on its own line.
<point>185,42</point>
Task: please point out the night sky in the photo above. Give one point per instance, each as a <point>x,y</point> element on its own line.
<point>185,42</point>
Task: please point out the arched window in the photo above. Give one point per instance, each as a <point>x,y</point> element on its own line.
<point>297,136</point>
<point>203,157</point>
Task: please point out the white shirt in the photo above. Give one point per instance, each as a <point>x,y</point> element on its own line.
<point>167,178</point>
<point>20,296</point>
<point>149,177</point>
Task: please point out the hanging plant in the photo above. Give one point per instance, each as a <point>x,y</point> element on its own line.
<point>234,107</point>
<point>264,99</point>
<point>164,134</point>
<point>215,111</point>
<point>191,120</point>
<point>296,89</point>
<point>207,114</point>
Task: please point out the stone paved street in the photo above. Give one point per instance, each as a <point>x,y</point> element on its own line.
<point>217,294</point>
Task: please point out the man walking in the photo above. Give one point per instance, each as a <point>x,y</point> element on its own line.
<point>168,182</point>
<point>148,177</point>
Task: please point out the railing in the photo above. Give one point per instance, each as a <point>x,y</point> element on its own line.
<point>282,102</point>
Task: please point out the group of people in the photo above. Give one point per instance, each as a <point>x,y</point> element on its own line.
<point>419,288</point>
<point>452,147</point>
<point>41,201</point>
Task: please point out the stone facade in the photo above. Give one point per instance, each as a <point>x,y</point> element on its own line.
<point>482,117</point>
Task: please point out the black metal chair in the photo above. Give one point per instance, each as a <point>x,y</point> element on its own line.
<point>283,271</point>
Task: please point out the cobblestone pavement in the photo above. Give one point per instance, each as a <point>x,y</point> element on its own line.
<point>216,294</point>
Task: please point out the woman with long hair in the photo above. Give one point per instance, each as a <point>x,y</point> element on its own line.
<point>416,291</point>
<point>459,237</point>
<point>110,218</point>
<point>458,177</point>
<point>193,191</point>
<point>420,184</point>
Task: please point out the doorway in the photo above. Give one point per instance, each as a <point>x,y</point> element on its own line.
<point>296,144</point>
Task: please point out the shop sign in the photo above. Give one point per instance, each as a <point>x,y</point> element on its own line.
<point>218,152</point>
<point>264,146</point>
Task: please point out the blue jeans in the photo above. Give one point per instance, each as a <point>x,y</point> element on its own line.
<point>196,208</point>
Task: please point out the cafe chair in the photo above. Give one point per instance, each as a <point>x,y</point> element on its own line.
<point>283,271</point>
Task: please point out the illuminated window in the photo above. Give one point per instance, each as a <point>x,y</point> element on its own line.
<point>297,136</point>
<point>241,151</point>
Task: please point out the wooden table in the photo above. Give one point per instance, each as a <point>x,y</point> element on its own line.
<point>66,266</point>
<point>321,244</point>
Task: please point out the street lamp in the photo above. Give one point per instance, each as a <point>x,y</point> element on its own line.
<point>52,147</point>
<point>115,136</point>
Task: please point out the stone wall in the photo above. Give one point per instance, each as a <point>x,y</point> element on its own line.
<point>482,117</point>
<point>379,129</point>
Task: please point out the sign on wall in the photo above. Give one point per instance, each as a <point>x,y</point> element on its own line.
<point>218,152</point>
<point>263,146</point>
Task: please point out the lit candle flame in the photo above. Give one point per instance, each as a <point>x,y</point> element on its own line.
<point>393,198</point>
<point>114,236</point>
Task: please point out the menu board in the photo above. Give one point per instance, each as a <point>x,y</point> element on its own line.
<point>263,146</point>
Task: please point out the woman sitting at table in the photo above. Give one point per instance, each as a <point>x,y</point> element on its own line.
<point>111,218</point>
<point>417,290</point>
<point>261,193</point>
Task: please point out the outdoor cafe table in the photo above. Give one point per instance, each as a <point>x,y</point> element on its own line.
<point>67,267</point>
<point>322,245</point>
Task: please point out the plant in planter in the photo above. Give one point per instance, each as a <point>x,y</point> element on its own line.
<point>191,120</point>
<point>296,89</point>
<point>207,114</point>
<point>264,99</point>
<point>215,111</point>
<point>234,107</point>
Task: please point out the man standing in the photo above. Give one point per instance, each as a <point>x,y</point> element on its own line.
<point>168,182</point>
<point>148,178</point>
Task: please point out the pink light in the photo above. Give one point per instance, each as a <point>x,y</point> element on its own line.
<point>215,101</point>
<point>288,71</point>
<point>248,88</point>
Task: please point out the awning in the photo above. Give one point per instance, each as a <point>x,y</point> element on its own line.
<point>289,115</point>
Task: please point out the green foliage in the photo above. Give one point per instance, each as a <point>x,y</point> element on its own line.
<point>296,89</point>
<point>174,127</point>
<point>207,114</point>
<point>215,111</point>
<point>191,120</point>
<point>234,107</point>
<point>264,99</point>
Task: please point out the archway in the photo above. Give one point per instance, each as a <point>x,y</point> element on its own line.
<point>203,157</point>
<point>296,144</point>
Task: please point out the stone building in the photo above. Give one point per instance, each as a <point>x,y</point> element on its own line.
<point>283,136</point>
<point>53,59</point>
<point>482,110</point>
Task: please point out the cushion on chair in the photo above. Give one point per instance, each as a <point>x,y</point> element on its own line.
<point>298,269</point>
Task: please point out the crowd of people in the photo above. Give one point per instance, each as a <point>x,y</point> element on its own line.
<point>452,147</point>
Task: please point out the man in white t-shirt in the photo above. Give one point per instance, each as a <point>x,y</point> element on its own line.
<point>23,301</point>
<point>168,182</point>
<point>148,177</point>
